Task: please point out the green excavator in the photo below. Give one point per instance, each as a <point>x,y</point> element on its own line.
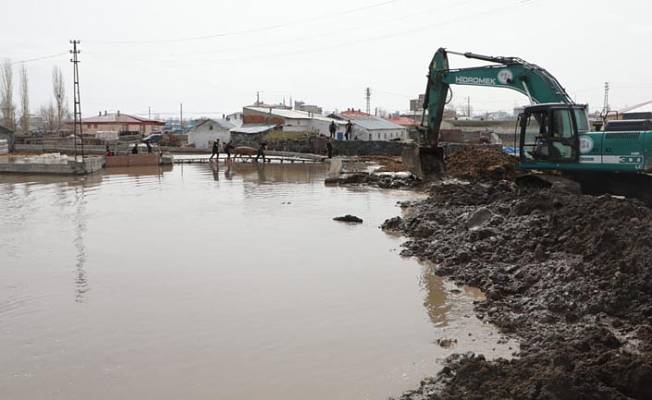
<point>553,133</point>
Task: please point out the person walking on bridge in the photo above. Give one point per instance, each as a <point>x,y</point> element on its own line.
<point>216,150</point>
<point>349,130</point>
<point>261,151</point>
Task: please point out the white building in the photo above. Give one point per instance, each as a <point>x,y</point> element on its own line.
<point>291,120</point>
<point>371,128</point>
<point>208,131</point>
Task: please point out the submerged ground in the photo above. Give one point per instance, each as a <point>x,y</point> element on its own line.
<point>202,283</point>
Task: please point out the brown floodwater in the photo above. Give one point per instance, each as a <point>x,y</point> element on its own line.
<point>195,283</point>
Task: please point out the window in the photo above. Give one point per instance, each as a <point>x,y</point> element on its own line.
<point>581,120</point>
<point>562,124</point>
<point>549,136</point>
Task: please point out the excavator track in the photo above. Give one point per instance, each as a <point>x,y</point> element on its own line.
<point>635,186</point>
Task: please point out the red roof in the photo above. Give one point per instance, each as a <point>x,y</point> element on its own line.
<point>355,114</point>
<point>120,119</point>
<point>403,121</point>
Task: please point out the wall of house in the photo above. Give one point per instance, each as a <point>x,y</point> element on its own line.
<point>203,137</point>
<point>380,134</point>
<point>255,117</point>
<point>90,128</point>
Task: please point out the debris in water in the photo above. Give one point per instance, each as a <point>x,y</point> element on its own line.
<point>349,218</point>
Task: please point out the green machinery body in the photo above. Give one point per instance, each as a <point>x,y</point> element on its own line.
<point>575,149</point>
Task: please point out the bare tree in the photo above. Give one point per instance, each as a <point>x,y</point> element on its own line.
<point>48,115</point>
<point>7,99</point>
<point>58,85</point>
<point>24,100</point>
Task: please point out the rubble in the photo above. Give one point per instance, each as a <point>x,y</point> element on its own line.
<point>568,275</point>
<point>384,180</point>
<point>481,164</point>
<point>349,218</point>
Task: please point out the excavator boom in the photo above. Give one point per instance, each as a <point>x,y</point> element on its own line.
<point>507,72</point>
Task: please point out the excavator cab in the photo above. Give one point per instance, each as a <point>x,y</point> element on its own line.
<point>550,135</point>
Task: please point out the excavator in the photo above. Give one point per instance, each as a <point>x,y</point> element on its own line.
<point>552,134</point>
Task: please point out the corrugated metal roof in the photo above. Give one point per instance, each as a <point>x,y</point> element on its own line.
<point>119,119</point>
<point>253,129</point>
<point>369,122</point>
<point>222,123</point>
<point>288,114</point>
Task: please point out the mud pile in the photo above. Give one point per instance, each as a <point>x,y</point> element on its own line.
<point>569,275</point>
<point>481,164</point>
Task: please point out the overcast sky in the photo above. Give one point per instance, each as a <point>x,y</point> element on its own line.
<point>214,56</point>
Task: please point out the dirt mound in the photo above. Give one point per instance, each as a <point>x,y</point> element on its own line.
<point>569,275</point>
<point>481,164</point>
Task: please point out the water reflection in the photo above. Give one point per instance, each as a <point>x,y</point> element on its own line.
<point>436,303</point>
<point>81,279</point>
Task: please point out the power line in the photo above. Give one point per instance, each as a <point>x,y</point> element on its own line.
<point>370,39</point>
<point>28,60</point>
<point>253,30</point>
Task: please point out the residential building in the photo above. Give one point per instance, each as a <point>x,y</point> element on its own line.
<point>121,123</point>
<point>371,128</point>
<point>203,134</point>
<point>417,104</point>
<point>235,118</point>
<point>290,120</point>
<point>309,108</point>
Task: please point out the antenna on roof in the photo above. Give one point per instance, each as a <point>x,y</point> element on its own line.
<point>368,95</point>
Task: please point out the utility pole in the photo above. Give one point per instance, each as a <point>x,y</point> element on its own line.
<point>181,116</point>
<point>368,95</point>
<point>257,98</point>
<point>77,116</point>
<point>468,106</point>
<point>605,107</point>
<point>149,112</point>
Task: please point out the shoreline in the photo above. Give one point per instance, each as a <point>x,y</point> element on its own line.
<point>559,277</point>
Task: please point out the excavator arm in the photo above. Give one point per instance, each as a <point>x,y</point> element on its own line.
<point>506,72</point>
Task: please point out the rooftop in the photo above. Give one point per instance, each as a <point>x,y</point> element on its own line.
<point>222,123</point>
<point>253,129</point>
<point>367,121</point>
<point>289,114</point>
<point>119,118</point>
<point>403,121</point>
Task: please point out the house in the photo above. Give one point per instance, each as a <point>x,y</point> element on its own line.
<point>204,133</point>
<point>291,120</point>
<point>368,127</point>
<point>235,118</point>
<point>121,123</point>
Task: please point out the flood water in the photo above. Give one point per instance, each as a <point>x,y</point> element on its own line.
<point>195,283</point>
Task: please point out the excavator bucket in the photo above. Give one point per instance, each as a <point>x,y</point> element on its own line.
<point>423,161</point>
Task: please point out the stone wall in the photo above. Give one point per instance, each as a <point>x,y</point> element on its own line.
<point>317,145</point>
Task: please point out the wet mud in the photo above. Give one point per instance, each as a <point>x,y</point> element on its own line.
<point>568,275</point>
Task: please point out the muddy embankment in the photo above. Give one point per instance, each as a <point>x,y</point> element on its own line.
<point>569,276</point>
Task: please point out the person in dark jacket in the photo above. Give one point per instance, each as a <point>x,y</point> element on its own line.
<point>349,130</point>
<point>216,150</point>
<point>332,128</point>
<point>261,151</point>
<point>135,149</point>
<point>329,149</point>
<point>228,148</point>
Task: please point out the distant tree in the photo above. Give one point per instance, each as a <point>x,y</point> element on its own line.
<point>7,95</point>
<point>48,115</point>
<point>59,88</point>
<point>24,100</point>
